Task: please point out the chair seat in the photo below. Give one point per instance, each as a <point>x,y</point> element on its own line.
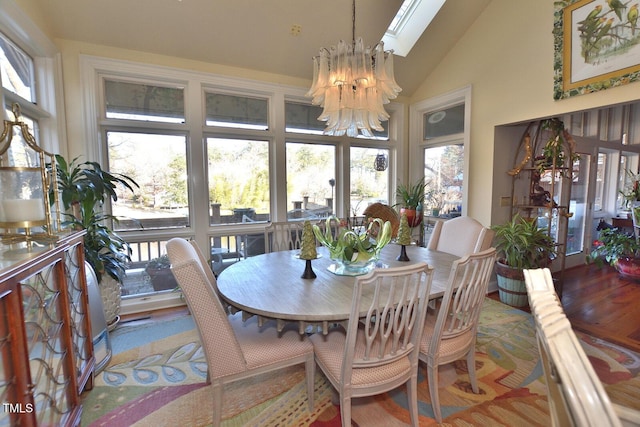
<point>329,350</point>
<point>262,345</point>
<point>451,348</point>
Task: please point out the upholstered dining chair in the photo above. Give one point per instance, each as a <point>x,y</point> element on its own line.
<point>575,394</point>
<point>460,236</point>
<point>283,236</point>
<point>234,349</point>
<point>378,350</point>
<point>451,334</point>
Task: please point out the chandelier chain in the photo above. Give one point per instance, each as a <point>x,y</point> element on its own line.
<point>353,23</point>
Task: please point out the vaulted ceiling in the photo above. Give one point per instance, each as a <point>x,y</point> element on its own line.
<point>274,36</point>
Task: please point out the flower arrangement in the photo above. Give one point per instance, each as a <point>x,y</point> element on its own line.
<point>354,250</point>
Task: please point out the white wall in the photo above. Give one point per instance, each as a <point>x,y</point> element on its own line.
<point>507,58</point>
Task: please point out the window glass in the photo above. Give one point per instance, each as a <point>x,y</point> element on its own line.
<point>367,184</point>
<point>236,111</point>
<point>162,200</point>
<point>600,181</point>
<point>238,171</point>
<point>17,70</point>
<point>147,102</point>
<point>311,172</point>
<point>303,118</point>
<point>626,176</point>
<point>449,121</point>
<point>444,178</point>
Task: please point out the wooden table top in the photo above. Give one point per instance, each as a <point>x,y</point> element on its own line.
<point>270,285</point>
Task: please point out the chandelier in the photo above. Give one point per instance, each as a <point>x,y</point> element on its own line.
<point>352,83</point>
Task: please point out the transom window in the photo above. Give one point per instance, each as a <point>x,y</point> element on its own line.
<point>17,70</point>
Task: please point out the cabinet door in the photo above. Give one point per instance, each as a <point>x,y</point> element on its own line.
<point>81,334</point>
<point>17,406</point>
<point>53,373</point>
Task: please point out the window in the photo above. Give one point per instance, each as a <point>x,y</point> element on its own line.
<point>136,101</point>
<point>600,182</point>
<point>238,172</point>
<point>311,178</point>
<point>17,70</point>
<point>444,177</point>
<point>236,111</point>
<point>216,159</point>
<point>441,124</point>
<point>162,200</point>
<point>367,185</point>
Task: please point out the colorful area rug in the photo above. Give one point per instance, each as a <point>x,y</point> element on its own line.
<point>157,378</point>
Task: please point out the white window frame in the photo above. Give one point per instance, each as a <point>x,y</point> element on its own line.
<point>92,69</point>
<point>418,144</point>
<point>49,110</point>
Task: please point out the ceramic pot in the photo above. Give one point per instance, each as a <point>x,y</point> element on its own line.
<point>629,268</point>
<point>162,279</point>
<point>111,293</point>
<point>414,216</point>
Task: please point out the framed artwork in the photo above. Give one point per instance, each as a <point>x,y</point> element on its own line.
<point>596,45</point>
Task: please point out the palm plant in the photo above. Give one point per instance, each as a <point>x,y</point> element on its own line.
<point>522,245</point>
<point>412,195</point>
<point>83,189</point>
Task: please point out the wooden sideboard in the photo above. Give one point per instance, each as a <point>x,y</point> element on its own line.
<point>46,349</point>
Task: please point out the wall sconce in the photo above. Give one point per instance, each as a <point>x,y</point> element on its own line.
<point>27,185</point>
<point>381,162</point>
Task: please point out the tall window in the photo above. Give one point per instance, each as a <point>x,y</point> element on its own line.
<point>238,172</point>
<point>444,159</point>
<point>368,185</point>
<point>162,199</point>
<point>311,180</point>
<point>138,147</point>
<point>444,178</point>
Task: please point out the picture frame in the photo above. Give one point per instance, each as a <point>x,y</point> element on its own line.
<point>596,46</point>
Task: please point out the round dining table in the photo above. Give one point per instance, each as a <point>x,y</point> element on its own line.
<point>270,285</point>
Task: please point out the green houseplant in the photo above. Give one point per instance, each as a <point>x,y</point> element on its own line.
<point>411,198</point>
<point>618,249</point>
<point>521,244</point>
<point>83,189</point>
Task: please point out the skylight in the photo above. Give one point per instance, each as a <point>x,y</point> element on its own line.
<point>413,17</point>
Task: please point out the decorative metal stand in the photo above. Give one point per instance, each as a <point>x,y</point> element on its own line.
<point>308,271</point>
<point>403,254</point>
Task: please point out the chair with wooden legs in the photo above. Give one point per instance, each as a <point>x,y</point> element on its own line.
<point>451,334</point>
<point>234,349</point>
<point>283,236</point>
<point>378,350</point>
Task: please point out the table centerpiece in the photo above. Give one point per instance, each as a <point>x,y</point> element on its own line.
<point>353,251</point>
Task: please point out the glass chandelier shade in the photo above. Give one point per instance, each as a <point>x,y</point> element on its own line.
<point>352,83</point>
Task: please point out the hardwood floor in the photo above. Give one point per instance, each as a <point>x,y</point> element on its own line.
<point>601,303</point>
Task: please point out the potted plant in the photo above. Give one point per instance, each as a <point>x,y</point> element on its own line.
<point>159,270</point>
<point>521,244</point>
<point>618,249</point>
<point>412,200</point>
<point>83,189</point>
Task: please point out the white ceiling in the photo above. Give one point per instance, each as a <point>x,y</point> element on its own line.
<point>256,34</point>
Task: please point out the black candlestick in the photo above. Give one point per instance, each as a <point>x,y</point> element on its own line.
<point>308,271</point>
<point>403,254</point>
